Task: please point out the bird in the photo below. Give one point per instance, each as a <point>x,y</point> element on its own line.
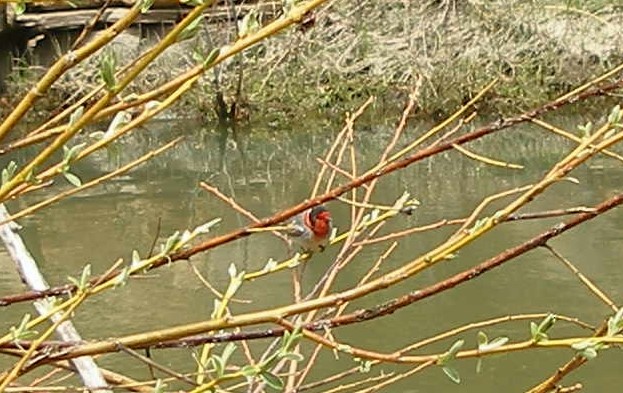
<point>311,229</point>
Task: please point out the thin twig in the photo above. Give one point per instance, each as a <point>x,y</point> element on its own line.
<point>588,283</point>
<point>156,365</point>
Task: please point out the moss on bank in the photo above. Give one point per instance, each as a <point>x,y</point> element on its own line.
<point>445,50</point>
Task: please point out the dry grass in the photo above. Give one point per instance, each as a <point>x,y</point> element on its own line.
<point>454,47</point>
<point>449,48</point>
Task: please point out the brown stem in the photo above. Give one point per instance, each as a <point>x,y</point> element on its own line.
<point>337,191</point>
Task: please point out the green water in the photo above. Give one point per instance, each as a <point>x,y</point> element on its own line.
<point>269,168</point>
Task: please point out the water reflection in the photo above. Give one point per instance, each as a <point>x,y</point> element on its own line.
<point>272,169</point>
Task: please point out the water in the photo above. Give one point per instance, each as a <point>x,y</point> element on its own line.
<point>273,167</point>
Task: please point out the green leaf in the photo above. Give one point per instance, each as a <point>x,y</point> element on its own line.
<point>136,258</point>
<point>19,7</point>
<point>146,5</point>
<point>297,357</point>
<point>582,345</point>
<point>73,179</point>
<point>74,281</point>
<point>107,69</point>
<point>75,115</point>
<point>122,278</point>
<point>70,154</point>
<point>207,62</point>
<point>586,129</point>
<point>205,228</point>
<point>192,2</point>
<point>451,353</point>
<point>615,323</point>
<point>186,237</point>
<point>365,366</point>
<point>482,339</point>
<point>198,55</point>
<point>295,260</point>
<point>479,224</point>
<point>288,5</point>
<point>290,339</point>
<point>227,352</point>
<point>272,380</point>
<point>84,277</point>
<point>171,242</point>
<point>547,323</point>
<point>121,118</point>
<point>16,332</point>
<point>191,30</point>
<point>31,177</point>
<point>538,332</point>
<point>8,172</point>
<point>456,347</point>
<point>219,365</point>
<point>270,265</point>
<point>615,115</point>
<point>452,373</point>
<point>534,330</point>
<point>232,270</point>
<point>249,371</point>
<point>249,24</point>
<point>345,348</point>
<point>21,332</point>
<point>496,343</point>
<point>589,353</point>
<point>160,386</point>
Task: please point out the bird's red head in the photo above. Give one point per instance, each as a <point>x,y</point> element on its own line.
<point>320,221</point>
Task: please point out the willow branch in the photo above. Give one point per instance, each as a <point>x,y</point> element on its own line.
<point>337,191</point>
<point>65,63</point>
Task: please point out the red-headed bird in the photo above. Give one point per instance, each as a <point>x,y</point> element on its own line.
<point>311,229</point>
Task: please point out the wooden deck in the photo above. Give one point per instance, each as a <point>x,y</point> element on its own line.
<point>59,16</point>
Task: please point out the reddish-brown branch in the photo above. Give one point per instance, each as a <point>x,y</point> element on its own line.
<point>394,304</point>
<point>337,191</point>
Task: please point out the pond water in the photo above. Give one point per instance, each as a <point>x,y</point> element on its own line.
<point>271,167</point>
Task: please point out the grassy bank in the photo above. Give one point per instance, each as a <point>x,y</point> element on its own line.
<point>443,50</point>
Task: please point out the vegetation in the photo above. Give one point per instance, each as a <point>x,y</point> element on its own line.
<point>337,55</point>
<point>294,335</point>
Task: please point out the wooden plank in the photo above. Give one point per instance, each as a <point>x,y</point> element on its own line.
<point>3,21</point>
<point>57,5</point>
<point>77,18</point>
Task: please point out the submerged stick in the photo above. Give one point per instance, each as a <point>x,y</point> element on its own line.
<point>31,276</point>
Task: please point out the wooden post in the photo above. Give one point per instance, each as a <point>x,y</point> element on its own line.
<point>31,275</point>
<point>3,24</point>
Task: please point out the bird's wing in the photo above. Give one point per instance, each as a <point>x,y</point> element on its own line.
<point>295,229</point>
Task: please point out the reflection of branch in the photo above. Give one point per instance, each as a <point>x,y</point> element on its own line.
<point>337,191</point>
<point>151,363</point>
<point>485,202</point>
<point>278,314</point>
<point>592,287</point>
<point>572,137</point>
<point>337,142</point>
<point>33,208</point>
<point>234,205</point>
<point>457,221</point>
<point>479,269</point>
